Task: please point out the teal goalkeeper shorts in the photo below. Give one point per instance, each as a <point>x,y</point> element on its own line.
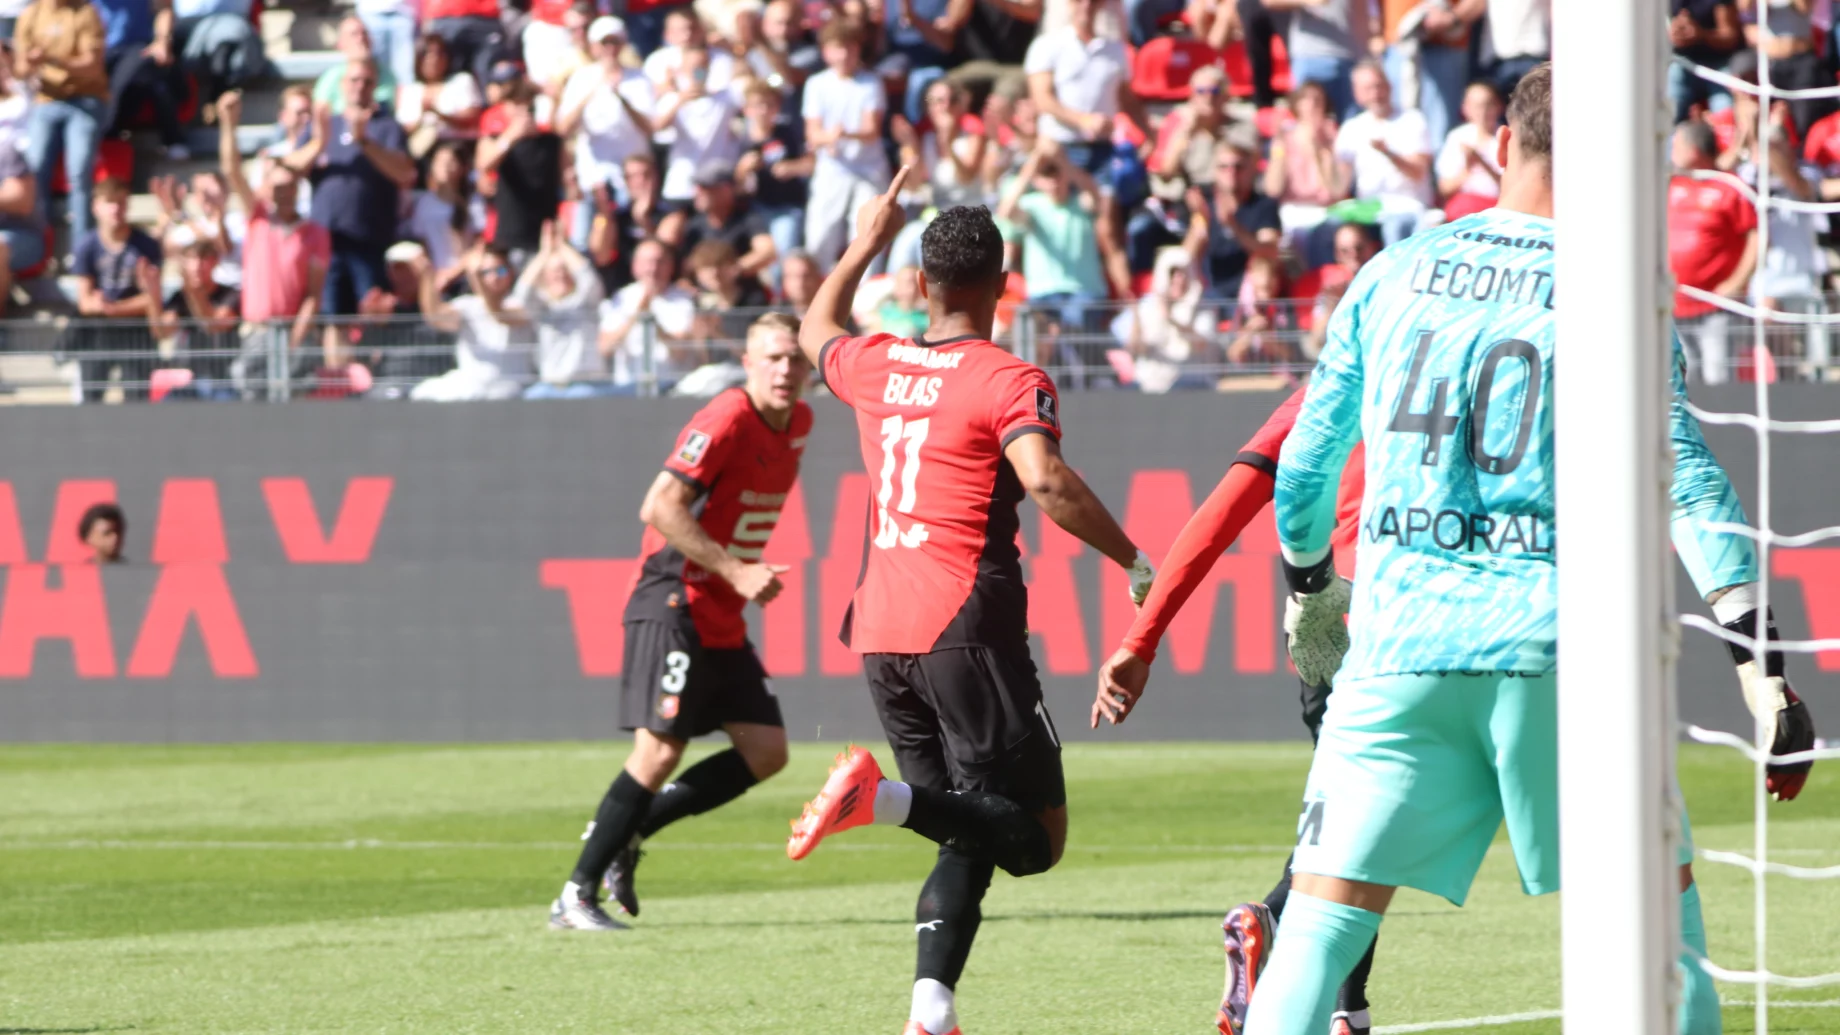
<point>1415,773</point>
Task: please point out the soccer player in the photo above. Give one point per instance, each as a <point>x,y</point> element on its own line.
<point>1444,717</point>
<point>1317,639</point>
<point>689,668</point>
<point>955,431</point>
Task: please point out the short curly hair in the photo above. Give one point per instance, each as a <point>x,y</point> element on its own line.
<point>962,248</point>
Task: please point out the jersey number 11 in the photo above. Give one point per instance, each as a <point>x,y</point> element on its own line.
<point>895,429</point>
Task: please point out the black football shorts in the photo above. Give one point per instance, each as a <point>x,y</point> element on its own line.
<point>970,719</point>
<point>674,686</point>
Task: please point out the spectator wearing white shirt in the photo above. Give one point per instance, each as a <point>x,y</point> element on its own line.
<point>1080,81</point>
<point>1468,176</point>
<point>1519,37</point>
<point>683,32</point>
<point>623,325</point>
<point>560,297</point>
<point>843,109</point>
<point>605,126</point>
<point>1386,154</point>
<point>438,101</point>
<point>492,356</point>
<point>700,118</point>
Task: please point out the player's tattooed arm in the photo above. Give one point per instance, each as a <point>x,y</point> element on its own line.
<point>667,508</point>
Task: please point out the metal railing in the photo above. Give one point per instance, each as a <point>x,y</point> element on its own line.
<point>1084,345</point>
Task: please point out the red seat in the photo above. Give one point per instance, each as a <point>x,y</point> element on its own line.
<point>114,161</point>
<point>1238,65</point>
<point>1163,67</point>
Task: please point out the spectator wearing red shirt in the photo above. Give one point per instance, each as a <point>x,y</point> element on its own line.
<point>284,255</point>
<point>474,34</point>
<point>1712,246</point>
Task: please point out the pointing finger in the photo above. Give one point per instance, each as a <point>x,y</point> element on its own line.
<point>894,187</point>
<point>779,569</point>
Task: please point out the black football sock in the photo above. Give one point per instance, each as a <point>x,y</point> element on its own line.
<point>1353,995</point>
<point>984,826</point>
<point>618,819</point>
<point>947,916</point>
<point>1275,901</point>
<point>711,783</point>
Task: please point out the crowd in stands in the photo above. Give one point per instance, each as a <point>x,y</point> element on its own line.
<point>1719,154</point>
<point>562,198</point>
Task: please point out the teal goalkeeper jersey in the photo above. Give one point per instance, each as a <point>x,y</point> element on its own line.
<point>1440,357</point>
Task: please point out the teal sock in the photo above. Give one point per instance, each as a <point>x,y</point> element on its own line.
<point>1699,1000</point>
<point>1318,944</point>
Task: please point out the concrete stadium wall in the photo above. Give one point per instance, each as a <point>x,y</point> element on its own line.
<point>384,572</point>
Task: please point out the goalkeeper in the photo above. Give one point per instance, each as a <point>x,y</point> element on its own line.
<point>1444,722</point>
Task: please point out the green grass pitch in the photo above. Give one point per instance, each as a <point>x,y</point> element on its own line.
<point>321,888</point>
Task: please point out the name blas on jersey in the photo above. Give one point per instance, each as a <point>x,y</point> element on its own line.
<point>1461,530</point>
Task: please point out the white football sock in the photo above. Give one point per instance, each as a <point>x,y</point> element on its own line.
<point>571,892</point>
<point>933,1005</point>
<point>893,799</point>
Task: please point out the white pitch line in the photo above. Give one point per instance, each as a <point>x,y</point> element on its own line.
<point>1548,1015</point>
<point>758,846</point>
<point>1468,1022</point>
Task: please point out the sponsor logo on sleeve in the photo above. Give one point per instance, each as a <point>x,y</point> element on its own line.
<point>1045,409</point>
<point>695,445</point>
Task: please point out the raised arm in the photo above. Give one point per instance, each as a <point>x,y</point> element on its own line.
<point>1007,208</point>
<point>829,314</point>
<point>435,310</point>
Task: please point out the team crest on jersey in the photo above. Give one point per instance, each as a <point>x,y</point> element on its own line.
<point>695,445</point>
<point>1044,408</point>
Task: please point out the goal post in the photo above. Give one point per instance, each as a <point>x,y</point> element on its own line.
<point>1620,924</point>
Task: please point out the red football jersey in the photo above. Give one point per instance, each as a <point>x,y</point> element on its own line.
<point>1225,514</point>
<point>1262,453</point>
<point>742,470</point>
<point>943,569</point>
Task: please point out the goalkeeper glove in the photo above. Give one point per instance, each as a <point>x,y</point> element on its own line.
<point>1315,632</point>
<point>1783,717</point>
<point>1142,575</point>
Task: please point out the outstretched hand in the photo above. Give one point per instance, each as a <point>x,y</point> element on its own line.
<point>1121,684</point>
<point>880,220</point>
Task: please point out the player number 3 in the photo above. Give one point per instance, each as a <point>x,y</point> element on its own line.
<point>676,668</point>
<point>895,430</point>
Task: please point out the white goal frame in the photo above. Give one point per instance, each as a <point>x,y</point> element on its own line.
<point>1617,628</point>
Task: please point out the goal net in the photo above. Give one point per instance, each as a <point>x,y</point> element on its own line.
<point>1619,632</point>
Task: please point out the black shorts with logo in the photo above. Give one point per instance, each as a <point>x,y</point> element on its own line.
<point>970,719</point>
<point>674,686</point>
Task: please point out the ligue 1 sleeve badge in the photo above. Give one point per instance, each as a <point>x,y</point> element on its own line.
<point>667,706</point>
